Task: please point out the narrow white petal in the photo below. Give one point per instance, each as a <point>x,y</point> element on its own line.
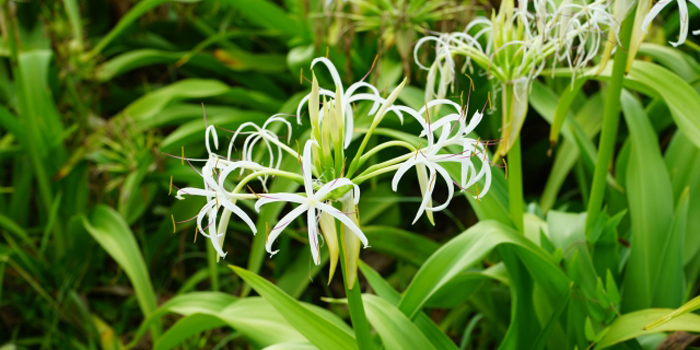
<point>450,188</point>
<point>401,171</point>
<point>345,220</point>
<point>279,197</point>
<point>427,196</point>
<point>211,129</point>
<point>306,168</point>
<point>331,68</point>
<point>192,191</point>
<point>653,13</point>
<point>281,225</point>
<point>240,213</point>
<point>313,235</point>
<point>683,13</point>
<point>331,186</point>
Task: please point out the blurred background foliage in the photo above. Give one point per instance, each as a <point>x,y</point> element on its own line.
<point>100,98</point>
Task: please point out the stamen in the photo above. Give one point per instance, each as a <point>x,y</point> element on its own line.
<point>173,219</point>
<point>506,165</point>
<point>252,191</point>
<point>183,155</point>
<point>301,76</point>
<point>370,68</point>
<point>170,189</point>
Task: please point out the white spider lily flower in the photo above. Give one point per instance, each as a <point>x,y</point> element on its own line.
<point>313,203</point>
<point>518,43</point>
<point>682,11</point>
<point>347,98</point>
<point>270,141</point>
<point>452,130</point>
<point>217,198</point>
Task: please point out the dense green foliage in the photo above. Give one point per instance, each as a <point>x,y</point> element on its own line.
<point>100,101</point>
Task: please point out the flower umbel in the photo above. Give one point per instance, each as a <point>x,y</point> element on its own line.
<point>330,177</point>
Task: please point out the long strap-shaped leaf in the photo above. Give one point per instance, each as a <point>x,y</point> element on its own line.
<point>317,329</point>
<point>469,248</point>
<point>114,235</point>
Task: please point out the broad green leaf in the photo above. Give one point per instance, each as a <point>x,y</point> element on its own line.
<point>395,329</point>
<point>650,199</point>
<point>400,244</point>
<point>267,14</point>
<point>674,59</point>
<point>434,334</point>
<point>683,164</point>
<point>137,11</point>
<point>318,330</point>
<point>153,102</point>
<point>656,81</point>
<point>631,325</point>
<point>114,235</point>
<point>564,108</point>
<point>186,327</point>
<point>690,306</point>
<point>254,317</point>
<point>291,346</point>
<point>465,251</point>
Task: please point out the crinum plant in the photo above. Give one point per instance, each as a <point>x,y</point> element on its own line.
<point>515,45</point>
<point>329,180</point>
<point>332,185</point>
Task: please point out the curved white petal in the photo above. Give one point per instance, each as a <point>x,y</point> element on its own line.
<point>345,220</point>
<point>683,13</point>
<point>653,13</point>
<point>193,191</point>
<point>306,168</point>
<point>331,186</point>
<point>240,213</point>
<point>427,196</point>
<point>401,171</point>
<point>279,197</point>
<point>211,129</point>
<point>281,225</point>
<point>334,72</point>
<point>450,188</point>
<point>313,235</point>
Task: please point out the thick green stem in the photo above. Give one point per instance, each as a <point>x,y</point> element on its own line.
<point>357,310</point>
<point>611,121</point>
<point>515,185</point>
<point>515,168</point>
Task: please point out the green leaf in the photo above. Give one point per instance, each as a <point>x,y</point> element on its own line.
<point>113,234</point>
<point>434,334</point>
<point>631,325</point>
<point>266,14</point>
<point>186,327</point>
<point>137,11</point>
<point>395,329</point>
<point>683,163</point>
<point>318,330</point>
<point>400,244</point>
<point>564,108</point>
<point>254,317</point>
<point>153,102</point>
<point>656,81</point>
<point>465,251</point>
<point>650,199</point>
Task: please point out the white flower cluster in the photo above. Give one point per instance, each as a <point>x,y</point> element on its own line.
<point>325,176</point>
<point>518,43</point>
